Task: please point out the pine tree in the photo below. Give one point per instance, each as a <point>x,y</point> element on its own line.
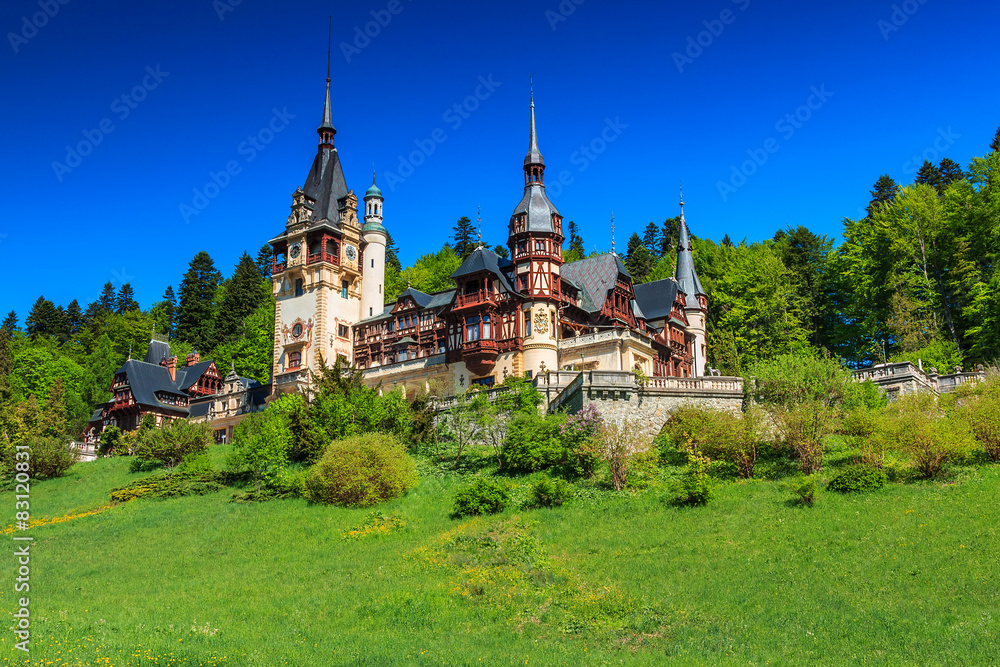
<point>930,175</point>
<point>74,318</point>
<point>464,238</point>
<point>392,253</point>
<point>243,293</point>
<point>169,310</point>
<point>125,301</point>
<point>101,366</point>
<point>995,144</point>
<point>60,325</point>
<point>500,250</point>
<point>6,355</point>
<point>10,322</point>
<point>651,239</point>
<point>639,260</point>
<point>196,311</point>
<point>42,319</point>
<point>951,171</point>
<point>575,240</point>
<point>728,242</point>
<point>107,300</point>
<point>54,419</point>
<point>671,232</point>
<point>885,191</point>
<point>264,261</point>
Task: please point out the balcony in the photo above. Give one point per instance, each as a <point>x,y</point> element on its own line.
<point>484,346</point>
<point>323,257</point>
<point>278,268</point>
<point>474,298</point>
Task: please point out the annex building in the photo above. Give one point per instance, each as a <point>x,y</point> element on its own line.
<point>527,315</point>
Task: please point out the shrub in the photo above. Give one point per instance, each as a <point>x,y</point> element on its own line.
<point>261,445</point>
<point>867,430</point>
<point>361,470</point>
<point>790,379</point>
<point>537,443</point>
<point>920,428</point>
<point>803,429</point>
<point>695,488</point>
<point>548,492</point>
<point>983,414</point>
<point>718,435</point>
<point>49,457</point>
<point>173,442</point>
<point>804,490</point>
<point>616,443</point>
<point>109,438</point>
<point>857,478</point>
<point>170,486</point>
<point>643,468</point>
<point>484,496</point>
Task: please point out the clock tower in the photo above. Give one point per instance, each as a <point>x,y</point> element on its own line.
<point>317,271</point>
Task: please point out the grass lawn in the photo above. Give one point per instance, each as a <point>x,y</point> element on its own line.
<point>908,575</point>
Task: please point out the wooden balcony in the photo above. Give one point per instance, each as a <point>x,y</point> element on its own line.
<point>323,257</point>
<point>475,299</point>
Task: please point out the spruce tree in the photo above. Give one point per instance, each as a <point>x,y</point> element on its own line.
<point>671,233</point>
<point>995,144</point>
<point>169,309</point>
<point>392,253</point>
<point>930,175</point>
<point>42,318</point>
<point>125,301</point>
<point>639,260</point>
<point>10,322</point>
<point>464,237</point>
<point>6,356</point>
<point>107,300</point>
<point>60,325</point>
<point>264,260</point>
<point>651,239</point>
<point>500,250</point>
<point>951,171</point>
<point>74,318</point>
<point>885,191</point>
<point>575,240</point>
<point>196,311</point>
<point>243,294</point>
<point>728,242</point>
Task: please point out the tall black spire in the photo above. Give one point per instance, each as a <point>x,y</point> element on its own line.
<point>326,129</point>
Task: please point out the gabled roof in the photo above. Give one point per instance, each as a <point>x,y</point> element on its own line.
<point>483,259</point>
<point>420,298</point>
<point>326,185</point>
<point>656,299</point>
<point>188,375</point>
<point>157,351</point>
<point>441,299</point>
<point>595,276</point>
<point>538,208</point>
<point>145,380</point>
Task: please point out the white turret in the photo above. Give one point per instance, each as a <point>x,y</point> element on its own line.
<point>375,238</point>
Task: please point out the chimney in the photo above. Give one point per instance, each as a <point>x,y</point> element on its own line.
<point>193,358</point>
<point>172,368</point>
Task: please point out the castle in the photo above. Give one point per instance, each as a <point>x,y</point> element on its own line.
<point>525,316</point>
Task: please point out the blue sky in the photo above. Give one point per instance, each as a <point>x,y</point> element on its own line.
<point>632,98</point>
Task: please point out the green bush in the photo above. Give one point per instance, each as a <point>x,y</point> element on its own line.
<point>548,492</point>
<point>173,485</point>
<point>173,442</point>
<point>857,478</point>
<point>695,488</point>
<point>716,434</point>
<point>983,414</point>
<point>108,440</point>
<point>262,443</point>
<point>536,443</point>
<point>804,490</point>
<point>919,427</point>
<point>49,457</point>
<point>484,496</point>
<point>360,471</point>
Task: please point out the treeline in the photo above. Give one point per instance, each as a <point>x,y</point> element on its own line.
<point>915,278</point>
<point>64,357</point>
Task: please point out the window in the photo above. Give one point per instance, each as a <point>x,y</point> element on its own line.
<point>539,246</point>
<point>484,382</point>
<point>297,329</point>
<point>298,287</point>
<point>527,323</point>
<point>342,331</point>
<point>402,355</point>
<point>486,327</point>
<point>343,289</point>
<point>528,374</point>
<point>294,360</point>
<point>373,263</point>
<point>471,329</point>
<point>522,283</point>
<point>552,319</point>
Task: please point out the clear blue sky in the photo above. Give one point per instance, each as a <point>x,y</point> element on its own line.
<point>887,94</point>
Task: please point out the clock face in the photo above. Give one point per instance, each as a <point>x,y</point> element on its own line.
<point>351,252</point>
<point>295,250</point>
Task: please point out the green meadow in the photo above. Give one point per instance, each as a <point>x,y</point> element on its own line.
<point>908,575</point>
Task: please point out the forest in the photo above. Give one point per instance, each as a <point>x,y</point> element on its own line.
<point>915,278</point>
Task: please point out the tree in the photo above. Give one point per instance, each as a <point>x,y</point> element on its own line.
<point>728,242</point>
<point>165,312</point>
<point>995,144</point>
<point>639,260</point>
<point>264,260</point>
<point>575,240</point>
<point>950,172</point>
<point>930,175</point>
<point>107,299</point>
<point>243,294</point>
<point>42,318</point>
<point>392,253</point>
<point>671,233</point>
<point>464,237</point>
<point>196,311</point>
<point>10,322</point>
<point>500,250</point>
<point>74,318</point>
<point>805,255</point>
<point>885,191</point>
<point>651,238</point>
<point>125,301</point>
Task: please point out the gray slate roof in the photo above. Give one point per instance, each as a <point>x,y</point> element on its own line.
<point>538,209</point>
<point>594,276</point>
<point>656,298</point>
<point>687,277</point>
<point>483,259</point>
<point>326,185</point>
<point>157,351</point>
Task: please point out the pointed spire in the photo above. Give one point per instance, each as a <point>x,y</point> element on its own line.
<point>685,273</point>
<point>534,155</point>
<point>613,233</point>
<point>479,220</point>
<point>326,129</point>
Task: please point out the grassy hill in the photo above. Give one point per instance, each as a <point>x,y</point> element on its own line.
<point>904,576</point>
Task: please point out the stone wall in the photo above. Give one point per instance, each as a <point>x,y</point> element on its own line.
<point>902,378</point>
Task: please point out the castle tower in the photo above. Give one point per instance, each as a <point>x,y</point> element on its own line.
<point>375,237</point>
<point>535,242</point>
<point>696,304</point>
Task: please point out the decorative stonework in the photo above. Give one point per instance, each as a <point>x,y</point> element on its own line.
<point>541,321</point>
